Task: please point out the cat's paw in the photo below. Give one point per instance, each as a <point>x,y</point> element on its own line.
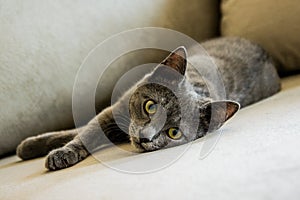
<point>29,148</point>
<point>61,158</point>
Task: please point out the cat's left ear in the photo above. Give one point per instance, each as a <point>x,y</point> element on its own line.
<point>177,60</point>
<point>214,114</point>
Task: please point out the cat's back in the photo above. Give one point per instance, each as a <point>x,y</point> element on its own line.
<point>233,47</point>
<point>246,69</point>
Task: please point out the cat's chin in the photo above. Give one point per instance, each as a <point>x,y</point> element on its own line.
<point>149,146</point>
<point>143,147</point>
<point>138,147</point>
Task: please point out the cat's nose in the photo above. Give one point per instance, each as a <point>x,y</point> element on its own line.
<point>147,136</point>
<point>144,137</point>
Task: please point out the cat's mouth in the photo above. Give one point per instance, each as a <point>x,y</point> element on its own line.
<point>143,146</point>
<point>139,145</point>
<point>149,146</point>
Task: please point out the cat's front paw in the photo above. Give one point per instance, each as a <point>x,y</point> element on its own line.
<point>61,158</point>
<point>30,148</point>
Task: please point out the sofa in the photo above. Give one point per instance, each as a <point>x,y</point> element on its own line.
<point>43,44</point>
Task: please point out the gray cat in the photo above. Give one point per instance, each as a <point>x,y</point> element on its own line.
<point>170,106</point>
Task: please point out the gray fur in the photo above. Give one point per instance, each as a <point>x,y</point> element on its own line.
<point>246,71</point>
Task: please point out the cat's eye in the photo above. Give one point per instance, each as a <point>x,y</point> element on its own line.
<point>150,107</point>
<point>174,133</point>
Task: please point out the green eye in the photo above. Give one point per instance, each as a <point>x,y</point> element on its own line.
<point>150,107</point>
<point>174,133</point>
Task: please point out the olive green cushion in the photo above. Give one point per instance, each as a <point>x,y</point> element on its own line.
<point>273,24</point>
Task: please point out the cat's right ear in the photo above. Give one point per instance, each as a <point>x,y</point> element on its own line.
<point>177,60</point>
<point>171,71</point>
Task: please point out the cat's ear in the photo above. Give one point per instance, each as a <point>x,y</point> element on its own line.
<point>171,71</point>
<point>177,60</point>
<point>214,114</point>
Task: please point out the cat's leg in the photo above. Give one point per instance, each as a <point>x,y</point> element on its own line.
<point>66,156</point>
<point>75,151</point>
<point>41,145</point>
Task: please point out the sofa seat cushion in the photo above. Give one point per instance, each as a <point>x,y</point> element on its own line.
<point>257,157</point>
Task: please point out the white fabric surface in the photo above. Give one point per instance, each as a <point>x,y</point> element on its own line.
<point>257,157</point>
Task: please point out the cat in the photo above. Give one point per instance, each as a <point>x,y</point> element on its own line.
<point>156,112</point>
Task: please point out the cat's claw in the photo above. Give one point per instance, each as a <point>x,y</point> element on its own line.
<point>61,158</point>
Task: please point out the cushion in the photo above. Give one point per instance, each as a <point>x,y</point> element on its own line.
<point>272,24</point>
<point>257,157</point>
<point>44,43</point>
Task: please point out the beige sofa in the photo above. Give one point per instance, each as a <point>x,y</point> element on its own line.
<point>256,157</point>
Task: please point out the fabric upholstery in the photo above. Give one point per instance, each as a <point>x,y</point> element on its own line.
<point>273,24</point>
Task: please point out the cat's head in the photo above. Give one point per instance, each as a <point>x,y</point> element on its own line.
<point>165,110</point>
